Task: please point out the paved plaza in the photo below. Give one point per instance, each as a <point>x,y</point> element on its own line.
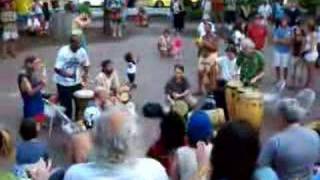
<point>153,72</point>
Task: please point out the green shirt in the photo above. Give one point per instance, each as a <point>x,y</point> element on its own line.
<point>4,175</point>
<point>250,66</point>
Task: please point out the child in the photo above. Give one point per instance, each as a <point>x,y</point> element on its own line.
<point>131,69</point>
<point>142,18</point>
<point>34,27</point>
<point>177,47</point>
<point>31,149</point>
<point>164,44</point>
<point>10,30</point>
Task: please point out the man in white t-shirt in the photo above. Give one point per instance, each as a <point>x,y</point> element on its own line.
<point>71,71</point>
<point>227,65</point>
<point>117,140</point>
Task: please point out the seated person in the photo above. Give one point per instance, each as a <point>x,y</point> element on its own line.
<point>108,78</point>
<point>142,18</point>
<point>178,88</point>
<point>164,44</point>
<point>34,26</point>
<point>31,150</point>
<point>201,27</point>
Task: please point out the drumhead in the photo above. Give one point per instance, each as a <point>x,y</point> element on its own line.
<point>234,84</point>
<point>84,93</point>
<point>252,95</point>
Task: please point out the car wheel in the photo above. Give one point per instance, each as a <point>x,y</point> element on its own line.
<point>159,4</point>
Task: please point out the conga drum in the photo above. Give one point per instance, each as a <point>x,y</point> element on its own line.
<point>217,117</point>
<point>251,108</point>
<point>239,114</point>
<point>181,108</point>
<point>231,97</point>
<point>82,97</point>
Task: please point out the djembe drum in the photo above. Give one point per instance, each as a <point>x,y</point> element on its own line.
<point>231,97</point>
<point>82,97</point>
<point>250,107</point>
<point>217,117</point>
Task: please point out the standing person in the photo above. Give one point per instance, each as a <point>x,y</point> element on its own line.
<point>298,41</point>
<point>230,13</point>
<point>228,69</point>
<point>201,27</point>
<point>310,52</point>
<point>281,151</point>
<point>293,13</point>
<point>207,64</point>
<point>257,31</point>
<point>70,61</point>
<point>10,30</point>
<point>218,9</point>
<point>31,82</point>
<point>178,11</point>
<point>278,11</point>
<point>206,8</point>
<point>177,47</point>
<point>79,23</point>
<point>282,44</point>
<point>47,15</point>
<point>108,78</point>
<point>116,6</point>
<point>265,10</point>
<point>131,68</point>
<point>251,63</point>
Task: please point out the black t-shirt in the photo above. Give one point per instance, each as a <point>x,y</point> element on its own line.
<point>293,15</point>
<point>173,86</point>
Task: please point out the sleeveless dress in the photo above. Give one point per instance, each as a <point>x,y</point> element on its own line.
<point>33,106</point>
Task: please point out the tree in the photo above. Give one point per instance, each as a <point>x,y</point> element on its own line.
<point>312,6</point>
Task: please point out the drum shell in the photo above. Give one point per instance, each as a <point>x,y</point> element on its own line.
<point>81,103</point>
<point>231,94</point>
<point>217,117</point>
<point>251,108</point>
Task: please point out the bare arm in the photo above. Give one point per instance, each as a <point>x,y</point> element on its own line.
<point>26,87</point>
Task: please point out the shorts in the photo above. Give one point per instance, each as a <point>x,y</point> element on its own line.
<point>203,65</point>
<point>6,36</point>
<point>311,56</point>
<point>281,59</point>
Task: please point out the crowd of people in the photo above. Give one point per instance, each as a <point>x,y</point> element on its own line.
<point>188,145</point>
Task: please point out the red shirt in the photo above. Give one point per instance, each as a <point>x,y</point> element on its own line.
<point>258,34</point>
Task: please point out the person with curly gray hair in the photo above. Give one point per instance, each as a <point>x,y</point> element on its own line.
<point>293,151</point>
<point>116,138</point>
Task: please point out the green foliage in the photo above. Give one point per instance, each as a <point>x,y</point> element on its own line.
<point>310,5</point>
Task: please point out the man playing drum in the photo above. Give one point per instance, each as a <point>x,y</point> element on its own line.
<point>178,88</point>
<point>251,63</point>
<point>70,61</point>
<point>207,67</point>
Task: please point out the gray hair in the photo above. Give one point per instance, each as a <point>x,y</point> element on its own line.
<point>114,142</point>
<point>291,110</point>
<point>247,43</point>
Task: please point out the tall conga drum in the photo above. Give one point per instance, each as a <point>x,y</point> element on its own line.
<point>251,108</point>
<point>82,98</point>
<point>217,117</point>
<point>231,97</point>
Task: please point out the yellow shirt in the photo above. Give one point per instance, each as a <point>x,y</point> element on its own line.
<point>23,7</point>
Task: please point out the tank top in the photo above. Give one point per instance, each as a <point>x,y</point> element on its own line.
<point>33,105</point>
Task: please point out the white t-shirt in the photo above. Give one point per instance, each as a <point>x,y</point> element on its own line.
<point>202,31</point>
<point>228,68</point>
<point>238,37</point>
<point>265,10</point>
<point>132,68</point>
<point>141,169</point>
<point>70,62</point>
